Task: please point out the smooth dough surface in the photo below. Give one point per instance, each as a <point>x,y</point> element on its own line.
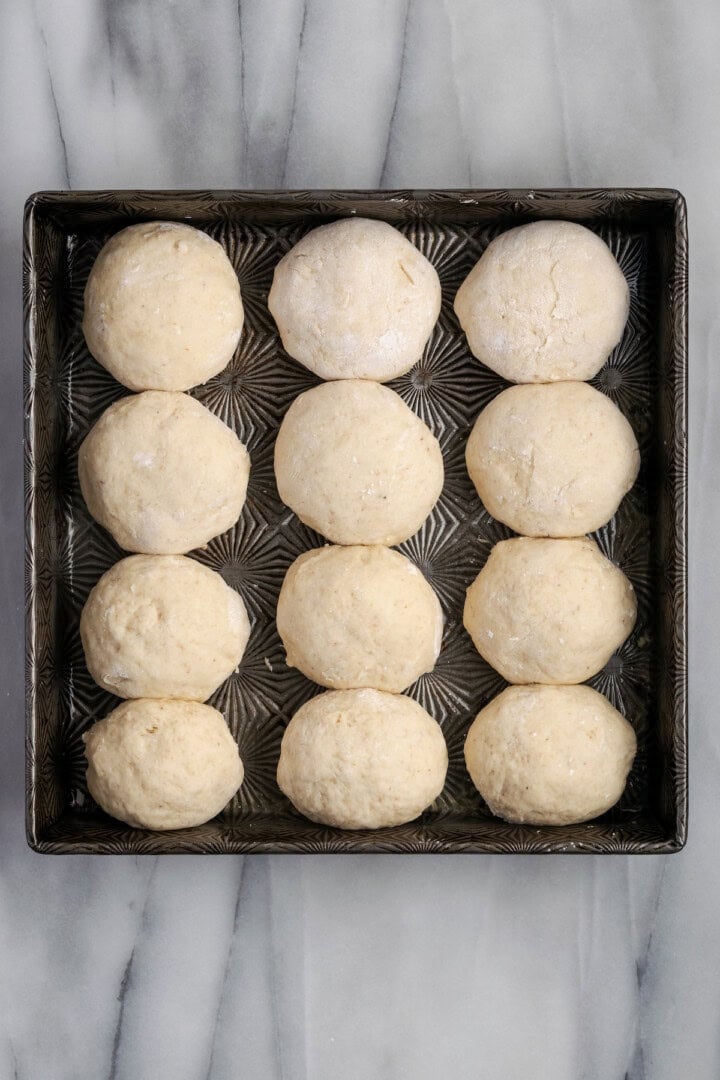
<point>356,464</point>
<point>550,755</point>
<point>359,616</point>
<point>162,307</point>
<point>362,759</point>
<point>162,473</point>
<point>549,611</point>
<point>553,459</point>
<point>163,626</point>
<point>544,302</point>
<point>355,300</point>
<point>162,764</point>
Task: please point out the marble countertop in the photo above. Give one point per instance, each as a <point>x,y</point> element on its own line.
<point>377,967</point>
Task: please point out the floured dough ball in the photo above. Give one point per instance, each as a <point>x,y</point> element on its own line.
<point>545,301</point>
<point>163,626</point>
<point>356,464</point>
<point>552,460</point>
<point>550,755</point>
<point>355,300</point>
<point>362,759</point>
<point>162,764</point>
<point>162,473</point>
<point>549,611</point>
<point>162,307</point>
<point>359,616</point>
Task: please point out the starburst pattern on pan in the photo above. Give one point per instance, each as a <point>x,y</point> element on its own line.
<point>82,251</point>
<point>629,548</point>
<point>438,552</point>
<point>83,387</point>
<point>458,793</point>
<point>447,385</point>
<point>252,558</point>
<point>460,682</point>
<point>256,388</point>
<point>259,745</point>
<point>254,254</point>
<point>85,552</point>
<point>83,701</point>
<point>452,251</point>
<point>630,250</point>
<point>458,499</point>
<point>624,379</point>
<point>624,680</point>
<point>256,689</point>
<point>263,499</point>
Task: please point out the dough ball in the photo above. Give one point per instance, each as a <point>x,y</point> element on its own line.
<point>362,759</point>
<point>549,611</point>
<point>162,307</point>
<point>163,626</point>
<point>552,460</point>
<point>356,464</point>
<point>549,755</point>
<point>162,764</point>
<point>545,301</point>
<point>355,300</point>
<point>162,473</point>
<point>359,616</point>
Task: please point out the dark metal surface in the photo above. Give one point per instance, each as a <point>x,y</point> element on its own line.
<point>66,391</point>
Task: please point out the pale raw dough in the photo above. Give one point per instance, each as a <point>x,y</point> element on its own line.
<point>162,307</point>
<point>545,301</point>
<point>549,611</point>
<point>552,460</point>
<point>362,759</point>
<point>550,755</point>
<point>162,473</point>
<point>356,464</point>
<point>359,616</point>
<point>163,626</point>
<point>162,764</point>
<point>355,300</point>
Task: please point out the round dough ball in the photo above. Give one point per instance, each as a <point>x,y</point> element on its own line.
<point>549,611</point>
<point>162,473</point>
<point>545,301</point>
<point>550,755</point>
<point>162,307</point>
<point>359,616</point>
<point>356,464</point>
<point>162,764</point>
<point>163,626</point>
<point>355,300</point>
<point>362,759</point>
<point>552,460</point>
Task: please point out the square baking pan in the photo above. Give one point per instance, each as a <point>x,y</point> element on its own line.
<point>66,391</point>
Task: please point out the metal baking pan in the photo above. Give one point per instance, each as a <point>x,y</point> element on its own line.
<point>66,391</point>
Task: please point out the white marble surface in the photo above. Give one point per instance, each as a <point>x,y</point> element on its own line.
<point>364,967</point>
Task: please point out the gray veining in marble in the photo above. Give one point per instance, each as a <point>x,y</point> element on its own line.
<point>367,968</point>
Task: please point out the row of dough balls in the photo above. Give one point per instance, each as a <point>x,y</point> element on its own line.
<point>164,475</point>
<point>355,302</point>
<point>550,755</point>
<point>547,302</point>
